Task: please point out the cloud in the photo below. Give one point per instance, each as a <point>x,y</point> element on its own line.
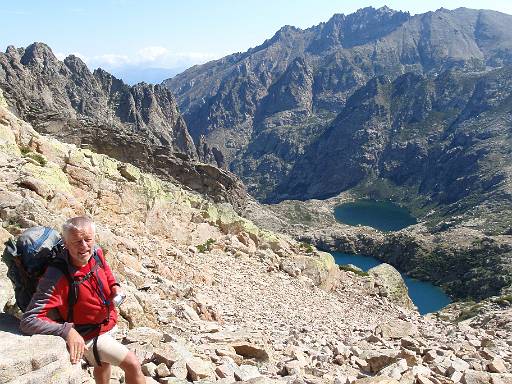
<point>151,57</point>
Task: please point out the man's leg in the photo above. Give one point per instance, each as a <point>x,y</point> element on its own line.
<point>102,374</point>
<point>132,371</point>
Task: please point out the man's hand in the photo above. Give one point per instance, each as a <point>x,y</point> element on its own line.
<point>76,346</point>
<point>114,290</point>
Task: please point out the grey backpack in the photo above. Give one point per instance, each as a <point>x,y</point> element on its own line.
<point>27,259</point>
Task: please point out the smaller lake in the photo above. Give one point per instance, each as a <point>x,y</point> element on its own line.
<point>382,215</point>
<point>426,296</point>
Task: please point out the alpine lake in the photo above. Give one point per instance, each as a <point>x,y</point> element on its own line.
<point>386,217</point>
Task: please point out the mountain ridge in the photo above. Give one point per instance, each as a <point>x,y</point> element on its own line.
<point>140,124</point>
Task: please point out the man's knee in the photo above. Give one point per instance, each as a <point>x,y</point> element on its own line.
<point>130,363</point>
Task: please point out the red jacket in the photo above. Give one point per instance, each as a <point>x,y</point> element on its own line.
<point>48,310</point>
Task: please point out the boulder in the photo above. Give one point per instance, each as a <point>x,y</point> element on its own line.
<point>497,365</point>
<point>179,369</point>
<point>397,329</point>
<point>36,359</point>
<point>377,360</point>
<point>250,350</point>
<point>391,285</point>
<point>199,369</point>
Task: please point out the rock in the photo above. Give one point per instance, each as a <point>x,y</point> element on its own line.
<point>144,352</point>
<point>420,370</point>
<point>376,380</point>
<point>457,365</point>
<point>501,378</point>
<point>144,335</point>
<point>247,372</point>
<point>162,370</point>
<point>379,359</point>
<point>149,369</point>
<point>392,285</point>
<point>166,354</point>
<point>261,380</point>
<point>179,369</point>
<point>476,377</point>
<point>225,371</point>
<point>398,329</point>
<point>424,380</point>
<point>187,312</point>
<point>497,365</point>
<point>199,369</point>
<point>250,350</point>
<point>36,359</point>
<point>395,370</point>
<point>172,380</point>
<point>456,376</point>
<point>293,367</point>
<point>230,352</point>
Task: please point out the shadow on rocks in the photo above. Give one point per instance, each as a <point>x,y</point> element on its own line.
<point>9,323</point>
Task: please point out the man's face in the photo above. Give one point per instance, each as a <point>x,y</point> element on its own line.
<point>80,245</point>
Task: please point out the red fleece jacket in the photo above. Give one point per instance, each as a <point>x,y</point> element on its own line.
<point>48,310</point>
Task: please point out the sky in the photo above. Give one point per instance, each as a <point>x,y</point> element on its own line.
<point>146,40</point>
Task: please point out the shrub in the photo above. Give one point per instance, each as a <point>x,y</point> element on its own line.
<point>27,152</point>
<point>206,246</point>
<point>348,268</point>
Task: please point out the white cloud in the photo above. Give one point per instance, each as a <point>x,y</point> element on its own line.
<point>151,57</point>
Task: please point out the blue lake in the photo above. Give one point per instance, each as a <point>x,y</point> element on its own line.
<point>382,215</point>
<point>426,296</point>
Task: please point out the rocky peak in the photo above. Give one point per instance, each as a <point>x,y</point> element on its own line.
<point>358,28</point>
<point>38,54</point>
<point>76,65</point>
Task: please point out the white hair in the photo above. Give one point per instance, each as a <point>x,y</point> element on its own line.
<point>76,224</point>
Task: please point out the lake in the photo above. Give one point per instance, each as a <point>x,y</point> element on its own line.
<point>426,296</point>
<point>382,215</point>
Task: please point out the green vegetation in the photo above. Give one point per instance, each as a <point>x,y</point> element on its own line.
<point>308,248</point>
<point>206,246</point>
<point>504,301</point>
<point>40,159</point>
<point>348,268</point>
<point>468,313</point>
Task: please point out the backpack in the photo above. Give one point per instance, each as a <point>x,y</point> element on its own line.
<point>27,258</point>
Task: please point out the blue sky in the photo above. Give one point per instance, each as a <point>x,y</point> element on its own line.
<point>129,35</point>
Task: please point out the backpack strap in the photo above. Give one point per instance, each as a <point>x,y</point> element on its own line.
<point>40,240</point>
<point>62,266</point>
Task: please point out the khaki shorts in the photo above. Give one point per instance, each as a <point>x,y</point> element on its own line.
<point>109,349</point>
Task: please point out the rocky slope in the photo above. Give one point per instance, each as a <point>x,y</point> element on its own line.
<point>139,124</point>
<point>212,297</point>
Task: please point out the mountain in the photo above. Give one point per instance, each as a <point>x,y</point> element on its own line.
<point>212,296</point>
<point>416,102</point>
<point>140,124</point>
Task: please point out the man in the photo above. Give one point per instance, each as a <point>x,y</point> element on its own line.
<point>88,326</point>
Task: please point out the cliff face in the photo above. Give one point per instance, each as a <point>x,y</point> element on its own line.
<point>447,138</point>
<point>57,97</point>
<point>376,94</point>
<point>139,124</point>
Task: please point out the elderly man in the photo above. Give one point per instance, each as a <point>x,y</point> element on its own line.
<point>78,306</point>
